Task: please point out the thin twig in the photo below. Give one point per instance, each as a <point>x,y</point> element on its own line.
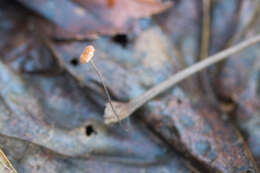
<point>128,108</point>
<point>6,163</point>
<point>204,48</point>
<point>205,31</point>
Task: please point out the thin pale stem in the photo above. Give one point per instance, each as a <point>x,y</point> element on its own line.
<point>104,86</point>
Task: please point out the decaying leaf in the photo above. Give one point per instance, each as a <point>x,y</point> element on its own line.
<point>22,116</point>
<point>242,89</point>
<point>83,18</point>
<point>216,145</point>
<point>51,107</point>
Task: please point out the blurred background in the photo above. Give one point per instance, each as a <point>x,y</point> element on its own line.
<point>52,108</point>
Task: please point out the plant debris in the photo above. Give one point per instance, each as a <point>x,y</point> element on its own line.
<point>52,107</point>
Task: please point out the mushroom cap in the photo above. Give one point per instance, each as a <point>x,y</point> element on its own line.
<point>87,54</point>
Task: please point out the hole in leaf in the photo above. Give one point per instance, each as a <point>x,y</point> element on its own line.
<point>121,39</point>
<point>249,171</point>
<point>74,61</point>
<point>179,101</point>
<point>89,130</point>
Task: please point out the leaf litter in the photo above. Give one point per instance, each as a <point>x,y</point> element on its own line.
<point>52,107</point>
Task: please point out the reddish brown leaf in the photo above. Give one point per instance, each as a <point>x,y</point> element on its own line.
<point>198,131</point>
<point>88,17</point>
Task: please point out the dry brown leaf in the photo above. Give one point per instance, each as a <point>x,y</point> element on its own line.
<point>83,18</point>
